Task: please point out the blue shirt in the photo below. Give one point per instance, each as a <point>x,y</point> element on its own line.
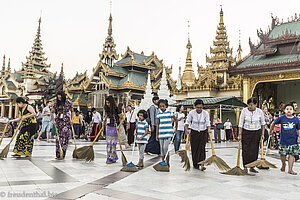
<point>288,132</point>
<point>165,129</point>
<point>141,129</point>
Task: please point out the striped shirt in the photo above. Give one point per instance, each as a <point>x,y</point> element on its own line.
<point>141,129</point>
<point>165,129</point>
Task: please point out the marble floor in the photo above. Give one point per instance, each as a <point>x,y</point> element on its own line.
<point>43,177</point>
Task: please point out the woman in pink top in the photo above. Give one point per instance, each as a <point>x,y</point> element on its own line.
<point>217,129</point>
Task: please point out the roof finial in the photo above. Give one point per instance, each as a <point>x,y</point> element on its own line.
<point>221,15</point>
<point>3,66</point>
<point>110,25</point>
<point>110,20</point>
<point>110,5</point>
<point>239,50</point>
<point>189,45</point>
<point>8,65</point>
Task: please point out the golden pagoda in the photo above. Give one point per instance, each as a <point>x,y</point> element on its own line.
<point>214,79</point>
<point>188,76</point>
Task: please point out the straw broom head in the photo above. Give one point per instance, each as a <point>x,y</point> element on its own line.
<point>237,171</point>
<point>162,167</point>
<point>4,152</point>
<point>217,161</point>
<point>130,167</point>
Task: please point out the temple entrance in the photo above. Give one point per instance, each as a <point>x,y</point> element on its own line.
<point>274,95</point>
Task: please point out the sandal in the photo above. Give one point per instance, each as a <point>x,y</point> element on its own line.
<point>253,170</point>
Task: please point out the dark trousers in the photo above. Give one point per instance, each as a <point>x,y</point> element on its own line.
<point>76,128</point>
<point>153,145</point>
<point>228,133</point>
<point>250,145</point>
<point>130,136</point>
<point>217,134</point>
<point>198,142</point>
<point>95,130</point>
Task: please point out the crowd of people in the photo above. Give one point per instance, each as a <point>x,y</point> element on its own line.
<point>153,129</point>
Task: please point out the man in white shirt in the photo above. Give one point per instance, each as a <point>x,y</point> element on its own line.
<point>96,121</point>
<point>228,129</point>
<point>131,122</point>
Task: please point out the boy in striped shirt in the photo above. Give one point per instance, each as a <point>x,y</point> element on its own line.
<point>164,130</point>
<point>141,133</point>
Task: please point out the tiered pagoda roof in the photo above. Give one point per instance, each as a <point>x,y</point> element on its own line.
<point>130,72</point>
<point>35,63</point>
<point>278,49</point>
<point>221,52</point>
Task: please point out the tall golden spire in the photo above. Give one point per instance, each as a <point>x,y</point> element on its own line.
<point>35,62</point>
<point>109,53</point>
<point>239,50</point>
<point>220,52</point>
<point>188,76</point>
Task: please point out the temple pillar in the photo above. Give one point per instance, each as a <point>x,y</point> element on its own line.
<point>2,109</point>
<point>246,89</point>
<point>16,110</point>
<point>237,115</point>
<point>10,110</point>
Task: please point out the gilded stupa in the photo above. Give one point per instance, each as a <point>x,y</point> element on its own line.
<point>214,79</point>
<point>188,76</point>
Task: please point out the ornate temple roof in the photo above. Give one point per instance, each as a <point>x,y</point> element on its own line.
<point>35,63</point>
<point>221,52</point>
<point>278,49</point>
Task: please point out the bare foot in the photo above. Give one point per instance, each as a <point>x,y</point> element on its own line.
<point>292,172</point>
<point>48,141</point>
<point>38,139</point>
<point>283,168</point>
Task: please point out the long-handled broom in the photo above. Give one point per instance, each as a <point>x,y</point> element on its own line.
<point>237,171</point>
<point>183,154</point>
<point>124,160</point>
<point>4,152</point>
<point>87,152</point>
<point>2,136</point>
<point>130,167</point>
<point>221,164</point>
<point>262,163</point>
<point>163,166</point>
<point>74,155</point>
<point>266,153</point>
<point>61,153</point>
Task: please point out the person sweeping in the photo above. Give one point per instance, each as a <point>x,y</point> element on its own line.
<point>113,119</point>
<point>25,138</point>
<point>164,130</point>
<point>141,133</point>
<point>251,131</point>
<point>289,137</point>
<point>198,125</point>
<point>63,109</point>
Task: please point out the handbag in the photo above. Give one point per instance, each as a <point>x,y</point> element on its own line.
<point>220,126</point>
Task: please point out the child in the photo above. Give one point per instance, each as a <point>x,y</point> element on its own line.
<point>289,137</point>
<point>141,132</point>
<point>164,130</point>
<point>276,134</point>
